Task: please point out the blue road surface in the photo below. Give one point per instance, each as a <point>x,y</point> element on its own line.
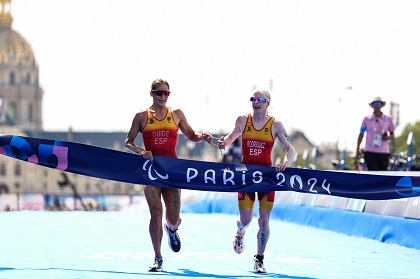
<point>117,245</point>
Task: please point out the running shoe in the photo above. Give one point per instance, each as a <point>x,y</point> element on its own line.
<point>173,239</point>
<point>157,266</point>
<point>238,244</point>
<point>259,265</point>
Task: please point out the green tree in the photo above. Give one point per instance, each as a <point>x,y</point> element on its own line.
<point>400,143</point>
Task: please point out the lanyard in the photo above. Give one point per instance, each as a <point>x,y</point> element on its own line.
<point>377,123</point>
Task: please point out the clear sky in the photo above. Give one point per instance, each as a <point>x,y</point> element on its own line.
<point>97,59</point>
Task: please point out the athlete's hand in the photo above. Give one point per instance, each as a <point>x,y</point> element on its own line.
<point>221,143</point>
<point>206,137</point>
<point>147,154</point>
<point>281,167</point>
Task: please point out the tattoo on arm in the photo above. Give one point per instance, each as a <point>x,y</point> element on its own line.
<point>129,132</point>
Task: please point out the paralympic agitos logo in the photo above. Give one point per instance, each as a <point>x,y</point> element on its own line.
<point>151,171</point>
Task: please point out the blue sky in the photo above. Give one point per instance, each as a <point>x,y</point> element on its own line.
<point>98,58</point>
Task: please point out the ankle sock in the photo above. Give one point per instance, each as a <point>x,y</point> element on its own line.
<point>259,257</point>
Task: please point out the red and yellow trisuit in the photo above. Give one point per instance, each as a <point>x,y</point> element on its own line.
<point>160,135</point>
<point>256,149</point>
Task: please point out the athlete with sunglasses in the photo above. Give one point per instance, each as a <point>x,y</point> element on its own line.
<point>159,126</point>
<point>379,129</point>
<point>259,131</point>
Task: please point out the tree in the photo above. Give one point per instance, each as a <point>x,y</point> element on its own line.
<point>400,142</point>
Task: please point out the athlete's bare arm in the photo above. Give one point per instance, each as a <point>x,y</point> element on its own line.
<point>279,132</point>
<point>237,131</point>
<point>187,130</point>
<point>137,126</point>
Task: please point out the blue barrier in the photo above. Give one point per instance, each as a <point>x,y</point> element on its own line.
<point>388,229</point>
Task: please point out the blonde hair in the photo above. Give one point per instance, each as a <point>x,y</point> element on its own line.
<point>157,82</point>
<point>266,94</point>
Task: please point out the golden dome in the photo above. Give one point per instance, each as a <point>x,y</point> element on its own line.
<point>14,49</point>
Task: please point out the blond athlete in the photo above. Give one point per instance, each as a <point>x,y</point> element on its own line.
<point>259,131</point>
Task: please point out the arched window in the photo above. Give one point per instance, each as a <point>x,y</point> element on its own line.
<point>6,8</point>
<point>12,78</point>
<point>4,188</point>
<point>30,113</point>
<point>3,169</point>
<point>12,111</point>
<point>28,79</point>
<point>18,170</point>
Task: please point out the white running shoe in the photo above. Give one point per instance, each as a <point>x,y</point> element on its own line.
<point>238,244</point>
<point>156,266</point>
<point>259,265</point>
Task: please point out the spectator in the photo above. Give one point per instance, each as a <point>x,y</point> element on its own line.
<point>379,129</point>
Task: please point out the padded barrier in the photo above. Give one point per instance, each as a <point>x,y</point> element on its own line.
<point>413,208</point>
<point>389,229</point>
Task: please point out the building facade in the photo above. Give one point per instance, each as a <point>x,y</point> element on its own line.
<point>21,114</point>
<point>21,98</point>
<point>20,92</point>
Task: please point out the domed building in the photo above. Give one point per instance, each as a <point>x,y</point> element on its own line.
<point>20,92</point>
<point>21,99</point>
<point>21,114</point>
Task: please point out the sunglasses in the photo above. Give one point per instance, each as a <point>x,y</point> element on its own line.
<point>161,92</point>
<point>377,104</point>
<point>259,99</point>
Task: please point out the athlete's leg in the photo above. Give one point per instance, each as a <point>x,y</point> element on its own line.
<point>266,202</point>
<point>245,218</point>
<point>153,198</point>
<point>246,211</point>
<point>263,231</point>
<point>172,198</point>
